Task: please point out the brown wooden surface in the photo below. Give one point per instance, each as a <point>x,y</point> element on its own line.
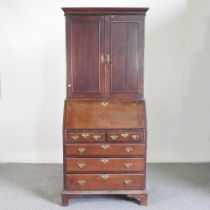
<point>104,150</point>
<point>104,181</point>
<point>84,136</point>
<point>93,115</point>
<point>78,165</point>
<point>105,97</point>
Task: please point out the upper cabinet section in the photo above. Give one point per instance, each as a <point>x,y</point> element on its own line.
<point>105,53</point>
<point>85,46</point>
<point>125,46</point>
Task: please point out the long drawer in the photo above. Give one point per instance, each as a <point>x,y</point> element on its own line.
<point>78,165</point>
<point>104,150</point>
<point>105,182</point>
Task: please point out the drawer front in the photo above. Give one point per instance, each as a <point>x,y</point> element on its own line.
<point>104,182</point>
<point>104,150</point>
<point>84,137</point>
<point>126,136</point>
<point>78,165</point>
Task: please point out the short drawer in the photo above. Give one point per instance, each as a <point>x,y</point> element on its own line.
<point>104,150</point>
<point>105,182</point>
<point>84,137</point>
<point>116,136</point>
<point>78,165</point>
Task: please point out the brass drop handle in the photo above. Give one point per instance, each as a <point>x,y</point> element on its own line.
<point>96,137</point>
<point>114,137</point>
<point>81,165</point>
<point>102,59</point>
<point>128,182</point>
<point>75,137</point>
<point>134,137</point>
<point>81,149</point>
<point>104,161</point>
<point>105,146</point>
<point>128,149</point>
<point>128,165</point>
<point>81,182</point>
<point>124,135</point>
<point>85,135</point>
<point>105,176</point>
<point>108,58</point>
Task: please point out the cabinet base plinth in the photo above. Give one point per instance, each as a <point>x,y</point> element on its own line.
<point>139,195</point>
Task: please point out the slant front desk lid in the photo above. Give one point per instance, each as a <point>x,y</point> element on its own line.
<point>104,115</point>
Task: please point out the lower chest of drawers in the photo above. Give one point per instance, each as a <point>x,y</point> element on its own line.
<point>113,160</point>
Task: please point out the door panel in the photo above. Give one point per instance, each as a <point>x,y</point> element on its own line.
<point>125,47</point>
<point>86,46</point>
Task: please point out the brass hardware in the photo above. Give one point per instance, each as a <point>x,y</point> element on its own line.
<point>128,165</point>
<point>81,182</point>
<point>104,161</point>
<point>81,165</point>
<point>105,146</point>
<point>104,103</point>
<point>75,137</point>
<point>96,137</point>
<point>105,176</point>
<point>69,85</point>
<point>128,149</point>
<point>127,182</point>
<point>102,59</point>
<point>85,135</point>
<point>81,149</point>
<point>108,58</point>
<point>124,135</point>
<point>134,137</point>
<point>114,137</point>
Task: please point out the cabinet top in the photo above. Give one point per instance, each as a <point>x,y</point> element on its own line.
<point>105,10</point>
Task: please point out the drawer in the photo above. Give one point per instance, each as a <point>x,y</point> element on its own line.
<point>126,136</point>
<point>104,150</point>
<point>104,164</point>
<point>84,137</point>
<point>104,182</point>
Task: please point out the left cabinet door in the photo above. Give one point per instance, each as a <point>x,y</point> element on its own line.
<point>85,56</point>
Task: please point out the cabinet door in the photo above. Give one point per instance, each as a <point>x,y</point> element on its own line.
<point>124,48</point>
<point>85,48</point>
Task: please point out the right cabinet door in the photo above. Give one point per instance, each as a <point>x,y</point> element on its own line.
<point>124,49</point>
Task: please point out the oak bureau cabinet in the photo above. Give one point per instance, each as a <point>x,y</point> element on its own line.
<point>104,124</point>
